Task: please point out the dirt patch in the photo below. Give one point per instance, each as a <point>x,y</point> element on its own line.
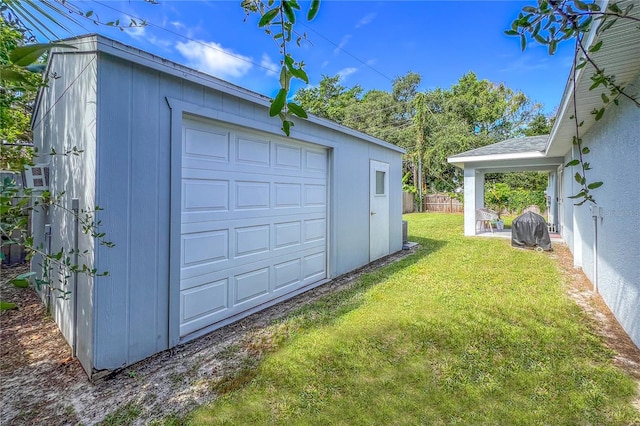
<point>41,384</point>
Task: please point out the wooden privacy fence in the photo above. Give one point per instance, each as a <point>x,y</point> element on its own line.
<point>407,203</point>
<point>442,203</point>
<point>432,203</point>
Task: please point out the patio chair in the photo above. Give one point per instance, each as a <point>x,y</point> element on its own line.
<point>485,216</point>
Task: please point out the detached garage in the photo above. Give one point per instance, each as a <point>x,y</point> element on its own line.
<point>214,213</point>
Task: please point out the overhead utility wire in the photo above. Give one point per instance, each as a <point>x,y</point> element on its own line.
<point>151,24</point>
<point>347,52</point>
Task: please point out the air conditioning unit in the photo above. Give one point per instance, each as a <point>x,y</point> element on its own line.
<point>37,177</point>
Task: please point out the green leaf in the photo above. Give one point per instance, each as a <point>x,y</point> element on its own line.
<point>523,42</point>
<point>88,14</point>
<point>605,98</point>
<point>313,9</point>
<point>511,32</point>
<point>600,113</point>
<point>572,163</point>
<point>586,150</point>
<point>578,195</point>
<point>553,44</point>
<point>5,306</point>
<point>297,110</point>
<point>268,17</point>
<point>579,178</point>
<point>13,75</point>
<point>580,5</point>
<point>594,185</point>
<point>286,127</point>
<point>20,283</point>
<point>26,55</point>
<point>26,275</point>
<point>299,73</point>
<point>595,47</point>
<point>278,103</point>
<point>288,12</point>
<point>285,78</point>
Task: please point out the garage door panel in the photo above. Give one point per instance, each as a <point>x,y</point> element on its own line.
<point>205,195</point>
<point>287,195</point>
<point>252,195</point>
<point>223,266</point>
<point>315,195</point>
<point>206,145</point>
<point>313,265</point>
<point>287,157</point>
<point>287,234</point>
<point>287,273</point>
<point>205,247</point>
<point>314,230</point>
<point>253,219</point>
<point>252,240</point>
<point>253,151</point>
<point>204,300</point>
<point>192,220</point>
<point>250,285</point>
<point>315,162</point>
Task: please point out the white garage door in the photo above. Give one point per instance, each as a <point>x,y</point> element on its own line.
<point>254,220</point>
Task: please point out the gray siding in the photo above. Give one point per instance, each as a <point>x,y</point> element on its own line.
<point>66,119</point>
<point>133,181</point>
<point>137,106</point>
<point>615,155</point>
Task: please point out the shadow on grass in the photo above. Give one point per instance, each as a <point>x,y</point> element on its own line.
<point>329,308</point>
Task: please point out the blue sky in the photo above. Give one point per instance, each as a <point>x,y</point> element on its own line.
<point>366,42</point>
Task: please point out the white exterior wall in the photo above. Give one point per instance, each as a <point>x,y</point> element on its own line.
<point>139,109</point>
<point>66,119</point>
<point>615,154</point>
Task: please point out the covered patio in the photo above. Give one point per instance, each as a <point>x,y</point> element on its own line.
<point>511,155</point>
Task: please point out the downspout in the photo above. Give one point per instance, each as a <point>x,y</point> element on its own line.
<point>420,206</point>
<point>595,213</point>
<point>47,236</point>
<point>75,206</point>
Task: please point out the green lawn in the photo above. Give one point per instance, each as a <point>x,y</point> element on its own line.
<point>465,331</point>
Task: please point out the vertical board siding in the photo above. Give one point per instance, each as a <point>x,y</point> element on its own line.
<point>66,119</point>
<point>112,302</point>
<point>144,281</point>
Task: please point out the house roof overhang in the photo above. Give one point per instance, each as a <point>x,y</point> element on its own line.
<point>511,155</point>
<point>619,56</point>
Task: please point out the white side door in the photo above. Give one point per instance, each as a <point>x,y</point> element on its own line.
<point>378,209</point>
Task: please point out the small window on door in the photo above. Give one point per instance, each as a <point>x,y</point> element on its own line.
<point>380,190</point>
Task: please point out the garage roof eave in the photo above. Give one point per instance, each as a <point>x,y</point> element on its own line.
<point>93,43</point>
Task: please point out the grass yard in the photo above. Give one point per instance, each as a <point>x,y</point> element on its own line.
<point>465,331</point>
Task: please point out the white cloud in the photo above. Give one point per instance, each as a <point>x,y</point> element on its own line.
<point>271,67</point>
<point>324,64</point>
<point>365,20</point>
<point>212,58</point>
<point>346,72</point>
<point>342,44</point>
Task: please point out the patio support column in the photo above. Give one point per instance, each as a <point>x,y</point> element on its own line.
<point>473,198</point>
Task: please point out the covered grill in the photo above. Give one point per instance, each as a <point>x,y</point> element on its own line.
<point>529,230</point>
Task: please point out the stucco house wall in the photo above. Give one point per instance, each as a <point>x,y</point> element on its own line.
<point>614,142</point>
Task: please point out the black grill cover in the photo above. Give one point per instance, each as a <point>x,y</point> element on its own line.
<point>529,230</point>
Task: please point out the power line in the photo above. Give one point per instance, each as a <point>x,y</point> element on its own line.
<point>151,24</point>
